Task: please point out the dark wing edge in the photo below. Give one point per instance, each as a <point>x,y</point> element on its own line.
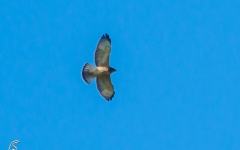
<point>106,36</point>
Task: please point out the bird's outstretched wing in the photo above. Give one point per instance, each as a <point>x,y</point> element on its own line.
<point>105,87</point>
<point>103,51</point>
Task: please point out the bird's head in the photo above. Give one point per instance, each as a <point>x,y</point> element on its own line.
<point>111,70</point>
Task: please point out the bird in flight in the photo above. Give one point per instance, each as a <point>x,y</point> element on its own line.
<point>102,71</point>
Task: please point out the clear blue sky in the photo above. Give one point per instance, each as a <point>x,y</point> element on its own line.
<point>177,82</point>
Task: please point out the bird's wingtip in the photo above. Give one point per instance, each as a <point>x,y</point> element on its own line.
<point>106,36</point>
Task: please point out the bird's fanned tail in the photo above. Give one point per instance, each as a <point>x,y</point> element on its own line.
<point>87,76</point>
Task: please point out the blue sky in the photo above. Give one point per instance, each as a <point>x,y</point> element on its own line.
<point>177,81</point>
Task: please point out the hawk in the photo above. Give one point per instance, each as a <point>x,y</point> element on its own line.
<point>102,71</point>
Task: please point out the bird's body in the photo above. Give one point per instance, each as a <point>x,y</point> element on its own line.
<point>102,71</point>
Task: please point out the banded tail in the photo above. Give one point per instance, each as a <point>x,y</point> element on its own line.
<point>86,74</point>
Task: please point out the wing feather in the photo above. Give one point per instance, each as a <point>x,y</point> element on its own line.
<point>103,51</point>
<point>105,87</point>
